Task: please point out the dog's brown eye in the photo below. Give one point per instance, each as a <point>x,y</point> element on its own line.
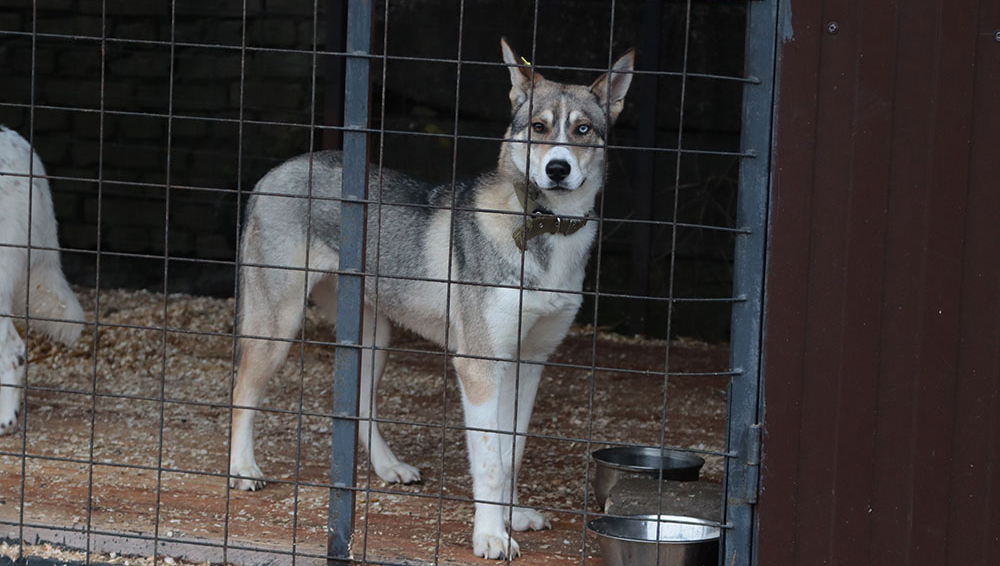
<point>582,129</point>
<point>538,127</point>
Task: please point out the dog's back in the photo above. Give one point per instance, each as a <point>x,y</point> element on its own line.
<point>402,215</point>
<point>303,195</point>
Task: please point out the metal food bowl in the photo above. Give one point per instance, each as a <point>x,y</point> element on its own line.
<point>616,463</point>
<point>632,541</point>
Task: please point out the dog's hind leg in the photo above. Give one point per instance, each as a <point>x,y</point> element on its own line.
<point>12,350</point>
<point>377,331</point>
<point>375,338</point>
<point>12,361</point>
<point>272,304</point>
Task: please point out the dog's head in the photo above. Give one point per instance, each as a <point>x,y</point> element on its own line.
<point>558,130</point>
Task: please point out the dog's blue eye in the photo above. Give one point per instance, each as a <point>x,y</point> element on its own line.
<point>582,129</point>
<point>538,127</point>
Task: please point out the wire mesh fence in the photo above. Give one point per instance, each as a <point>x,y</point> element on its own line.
<point>155,121</point>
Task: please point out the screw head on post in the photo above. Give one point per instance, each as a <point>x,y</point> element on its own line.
<point>832,28</point>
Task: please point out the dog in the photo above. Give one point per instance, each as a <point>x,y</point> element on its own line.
<point>50,302</point>
<point>491,269</point>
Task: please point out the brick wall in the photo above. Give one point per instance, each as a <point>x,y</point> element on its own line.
<point>160,124</point>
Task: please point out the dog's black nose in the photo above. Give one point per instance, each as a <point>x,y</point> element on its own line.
<point>557,170</point>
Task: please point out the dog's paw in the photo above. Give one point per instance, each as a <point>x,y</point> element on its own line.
<point>528,520</point>
<point>398,473</point>
<point>495,545</point>
<point>8,422</point>
<point>244,484</point>
<point>250,480</point>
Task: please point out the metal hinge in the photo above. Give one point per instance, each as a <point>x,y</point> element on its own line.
<point>753,463</point>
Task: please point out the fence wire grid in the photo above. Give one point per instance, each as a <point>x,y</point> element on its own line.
<point>154,121</point>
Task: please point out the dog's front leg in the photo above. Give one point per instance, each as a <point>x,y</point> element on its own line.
<point>486,441</point>
<point>517,398</point>
<point>518,392</point>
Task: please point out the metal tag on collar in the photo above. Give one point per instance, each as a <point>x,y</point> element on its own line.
<point>527,231</point>
<point>518,236</point>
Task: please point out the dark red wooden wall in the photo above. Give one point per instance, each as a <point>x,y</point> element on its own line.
<point>882,347</point>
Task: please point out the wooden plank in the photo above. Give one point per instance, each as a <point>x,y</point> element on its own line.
<point>952,72</point>
<point>971,523</point>
<point>903,291</point>
<point>787,296</point>
<point>866,223</point>
<point>827,277</point>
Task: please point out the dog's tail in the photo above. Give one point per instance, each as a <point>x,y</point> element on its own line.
<point>51,301</point>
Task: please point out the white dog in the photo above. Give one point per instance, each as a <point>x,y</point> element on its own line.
<point>50,299</point>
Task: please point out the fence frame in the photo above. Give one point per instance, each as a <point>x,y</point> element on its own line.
<point>746,403</point>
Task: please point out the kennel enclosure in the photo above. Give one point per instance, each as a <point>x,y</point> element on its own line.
<point>172,327</point>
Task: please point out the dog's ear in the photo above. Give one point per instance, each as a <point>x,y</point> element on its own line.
<point>521,75</point>
<point>611,92</point>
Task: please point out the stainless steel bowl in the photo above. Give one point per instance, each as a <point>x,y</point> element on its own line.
<point>640,539</point>
<point>616,463</point>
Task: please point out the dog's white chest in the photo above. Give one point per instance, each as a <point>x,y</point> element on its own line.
<point>560,278</point>
<point>544,303</point>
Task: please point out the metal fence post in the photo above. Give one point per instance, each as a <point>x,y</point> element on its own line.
<point>347,365</point>
<point>745,405</point>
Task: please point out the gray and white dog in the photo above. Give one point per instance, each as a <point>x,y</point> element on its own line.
<point>464,262</point>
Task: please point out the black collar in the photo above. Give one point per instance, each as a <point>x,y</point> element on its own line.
<point>541,221</point>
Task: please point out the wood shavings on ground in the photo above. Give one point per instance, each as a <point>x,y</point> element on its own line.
<point>149,450</point>
<point>59,554</point>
